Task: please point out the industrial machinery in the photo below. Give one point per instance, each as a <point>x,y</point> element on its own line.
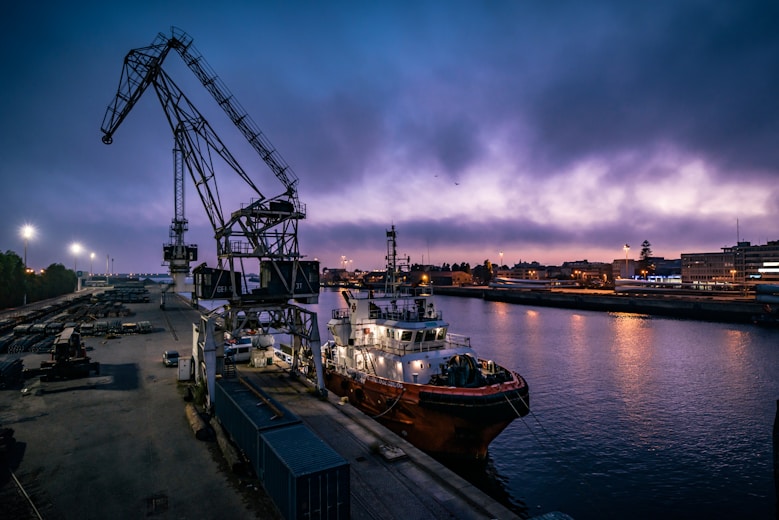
<point>177,254</point>
<point>261,234</point>
<point>69,359</point>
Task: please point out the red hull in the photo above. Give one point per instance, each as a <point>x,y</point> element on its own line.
<point>446,422</point>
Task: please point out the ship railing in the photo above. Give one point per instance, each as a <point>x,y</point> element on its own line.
<point>416,290</point>
<point>405,347</point>
<point>340,314</point>
<point>410,313</point>
<point>458,340</point>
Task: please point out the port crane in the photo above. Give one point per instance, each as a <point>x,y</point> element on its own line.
<point>177,254</point>
<point>262,233</point>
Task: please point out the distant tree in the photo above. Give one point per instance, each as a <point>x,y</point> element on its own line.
<point>12,280</point>
<point>489,271</point>
<point>58,280</point>
<point>645,260</point>
<point>18,286</point>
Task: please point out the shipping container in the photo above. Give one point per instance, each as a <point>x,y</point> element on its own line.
<point>244,411</point>
<point>304,476</point>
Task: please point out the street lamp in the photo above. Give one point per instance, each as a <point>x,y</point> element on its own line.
<point>27,233</point>
<point>75,248</point>
<point>627,249</point>
<point>501,259</point>
<point>91,259</point>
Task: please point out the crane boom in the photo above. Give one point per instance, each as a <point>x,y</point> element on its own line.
<point>266,226</point>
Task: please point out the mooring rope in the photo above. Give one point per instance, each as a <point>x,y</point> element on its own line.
<point>397,400</point>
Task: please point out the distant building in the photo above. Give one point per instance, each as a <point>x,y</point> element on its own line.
<point>708,268</point>
<point>524,271</point>
<point>587,272</point>
<point>743,263</point>
<point>666,268</point>
<point>755,264</point>
<point>623,268</point>
<point>441,278</point>
<point>334,276</point>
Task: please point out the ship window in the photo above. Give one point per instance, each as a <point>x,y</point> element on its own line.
<point>405,335</point>
<point>441,333</point>
<point>420,336</point>
<point>429,335</point>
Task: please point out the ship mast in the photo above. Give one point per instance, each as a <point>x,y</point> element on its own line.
<point>391,280</point>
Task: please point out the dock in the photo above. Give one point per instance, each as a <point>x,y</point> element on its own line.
<point>704,307</point>
<point>119,443</point>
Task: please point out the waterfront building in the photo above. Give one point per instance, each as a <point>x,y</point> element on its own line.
<point>623,268</point>
<point>708,268</point>
<point>744,263</point>
<point>587,272</point>
<point>755,263</point>
<point>450,278</point>
<point>524,271</point>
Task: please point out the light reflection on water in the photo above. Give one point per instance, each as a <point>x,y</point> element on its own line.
<point>632,416</point>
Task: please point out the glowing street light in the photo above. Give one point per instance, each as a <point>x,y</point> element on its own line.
<point>627,249</point>
<point>75,248</point>
<point>27,232</point>
<point>91,259</point>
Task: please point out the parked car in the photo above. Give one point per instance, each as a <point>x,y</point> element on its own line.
<point>170,358</point>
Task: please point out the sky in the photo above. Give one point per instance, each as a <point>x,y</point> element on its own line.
<point>514,130</point>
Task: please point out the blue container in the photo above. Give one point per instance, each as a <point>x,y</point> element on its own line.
<point>304,476</point>
<point>244,411</point>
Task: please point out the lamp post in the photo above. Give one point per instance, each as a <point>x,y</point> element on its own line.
<point>627,249</point>
<point>75,248</point>
<point>27,233</point>
<point>91,259</point>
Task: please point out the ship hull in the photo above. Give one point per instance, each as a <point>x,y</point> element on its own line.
<point>446,422</point>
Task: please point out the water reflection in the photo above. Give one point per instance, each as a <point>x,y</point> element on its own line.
<point>631,416</point>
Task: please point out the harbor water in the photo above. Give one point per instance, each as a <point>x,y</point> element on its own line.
<point>632,416</point>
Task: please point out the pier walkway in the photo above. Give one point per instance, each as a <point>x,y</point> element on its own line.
<point>412,486</point>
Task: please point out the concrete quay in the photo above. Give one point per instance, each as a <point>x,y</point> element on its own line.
<point>119,445</point>
<point>729,309</point>
<point>412,486</point>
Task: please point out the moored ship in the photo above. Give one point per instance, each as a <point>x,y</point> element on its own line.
<point>393,358</point>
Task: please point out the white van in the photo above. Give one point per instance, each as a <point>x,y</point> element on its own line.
<point>240,352</point>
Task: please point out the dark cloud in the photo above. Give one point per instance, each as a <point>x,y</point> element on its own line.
<point>349,93</point>
<point>698,75</point>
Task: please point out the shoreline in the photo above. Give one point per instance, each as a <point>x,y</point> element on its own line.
<point>728,309</point>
